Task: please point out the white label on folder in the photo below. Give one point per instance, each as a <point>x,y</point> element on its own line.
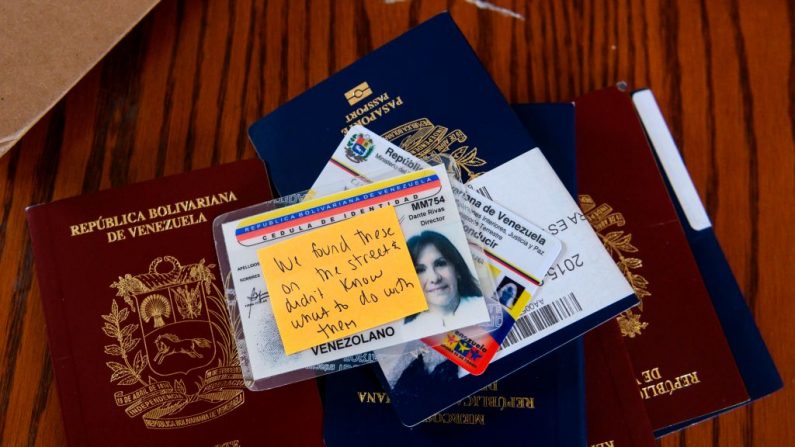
<point>673,166</point>
<point>584,279</point>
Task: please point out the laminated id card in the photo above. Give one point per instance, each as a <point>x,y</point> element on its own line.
<point>340,275</point>
<point>517,254</point>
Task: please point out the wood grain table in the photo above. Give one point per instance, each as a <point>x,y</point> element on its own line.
<point>179,92</point>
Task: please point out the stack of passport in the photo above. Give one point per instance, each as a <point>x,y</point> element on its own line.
<point>673,345</point>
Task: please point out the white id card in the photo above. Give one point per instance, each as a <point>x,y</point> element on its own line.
<point>515,252</point>
<point>510,243</point>
<point>584,279</point>
<point>426,210</point>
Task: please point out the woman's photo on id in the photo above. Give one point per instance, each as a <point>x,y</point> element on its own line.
<point>450,288</point>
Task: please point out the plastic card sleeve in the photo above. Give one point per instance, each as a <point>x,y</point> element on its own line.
<point>241,235</point>
<point>363,157</point>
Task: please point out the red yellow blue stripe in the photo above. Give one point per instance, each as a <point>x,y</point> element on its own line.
<point>336,204</point>
<point>347,169</point>
<point>512,268</point>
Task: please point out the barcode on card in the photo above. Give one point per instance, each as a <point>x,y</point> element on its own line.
<point>542,318</point>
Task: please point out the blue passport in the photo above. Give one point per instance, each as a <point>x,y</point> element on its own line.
<point>544,401</point>
<point>427,92</point>
<point>753,360</point>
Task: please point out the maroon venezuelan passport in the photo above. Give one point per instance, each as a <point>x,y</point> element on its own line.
<point>137,322</point>
<point>615,412</point>
<point>682,362</point>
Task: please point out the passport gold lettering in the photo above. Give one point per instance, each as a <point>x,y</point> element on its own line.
<point>116,235</point>
<point>165,225</point>
<point>651,374</point>
<point>114,226</point>
<point>501,402</point>
<point>367,107</point>
<point>104,223</point>
<point>664,387</point>
<point>610,443</point>
<point>371,111</point>
<point>457,419</point>
<point>371,397</point>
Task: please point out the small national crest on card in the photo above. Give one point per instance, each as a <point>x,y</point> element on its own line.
<point>359,147</point>
<point>171,341</point>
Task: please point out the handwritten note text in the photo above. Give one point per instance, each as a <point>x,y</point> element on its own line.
<point>341,279</point>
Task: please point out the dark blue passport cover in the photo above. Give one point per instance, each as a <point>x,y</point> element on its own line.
<point>432,94</point>
<point>355,415</point>
<point>428,93</point>
<point>354,412</point>
<point>750,353</point>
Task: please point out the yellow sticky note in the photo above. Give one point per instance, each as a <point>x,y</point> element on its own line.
<point>341,279</point>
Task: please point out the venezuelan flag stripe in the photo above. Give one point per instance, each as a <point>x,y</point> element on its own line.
<point>345,168</point>
<point>512,268</point>
<point>336,204</point>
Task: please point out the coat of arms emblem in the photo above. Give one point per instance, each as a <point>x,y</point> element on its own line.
<point>172,344</point>
<point>359,147</point>
<point>428,141</point>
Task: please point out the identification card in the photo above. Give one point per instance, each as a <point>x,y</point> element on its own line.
<point>568,294</point>
<point>361,158</point>
<point>518,253</point>
<point>429,220</point>
<point>341,279</point>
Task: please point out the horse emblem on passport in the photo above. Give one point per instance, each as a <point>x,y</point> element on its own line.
<point>171,352</point>
<point>359,147</point>
<point>168,344</point>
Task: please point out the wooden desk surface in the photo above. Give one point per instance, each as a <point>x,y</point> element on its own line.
<point>179,92</point>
